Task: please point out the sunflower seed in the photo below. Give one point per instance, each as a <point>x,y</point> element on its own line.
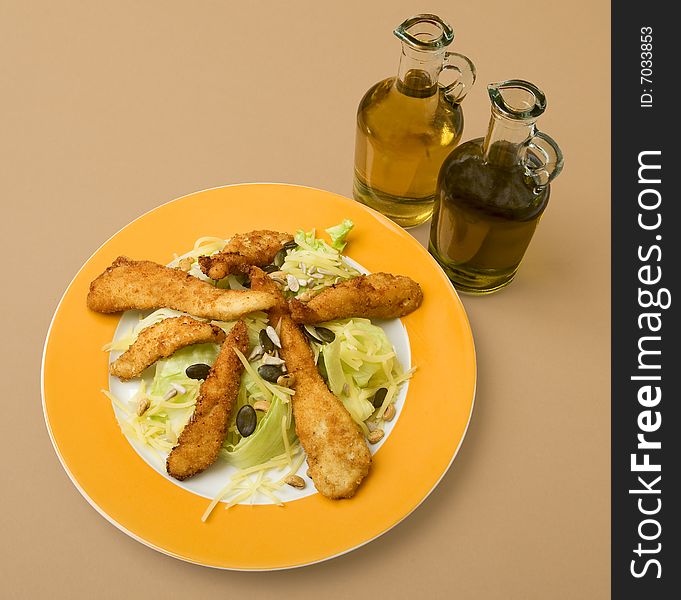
<point>143,406</point>
<point>375,436</point>
<point>305,296</point>
<point>171,393</point>
<point>293,283</point>
<point>262,405</point>
<point>185,264</point>
<point>257,352</point>
<point>271,360</point>
<point>295,481</point>
<point>279,277</point>
<point>286,380</point>
<point>180,389</point>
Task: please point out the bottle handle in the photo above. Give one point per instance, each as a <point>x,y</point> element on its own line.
<point>542,158</point>
<point>463,70</point>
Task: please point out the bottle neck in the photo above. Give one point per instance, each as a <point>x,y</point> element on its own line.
<point>419,71</point>
<point>505,139</point>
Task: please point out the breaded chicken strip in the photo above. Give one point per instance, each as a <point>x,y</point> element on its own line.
<point>253,248</point>
<point>200,441</point>
<point>337,453</point>
<point>262,282</point>
<point>161,340</point>
<point>379,295</point>
<point>129,284</point>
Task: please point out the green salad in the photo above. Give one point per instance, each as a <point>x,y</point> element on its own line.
<point>354,356</point>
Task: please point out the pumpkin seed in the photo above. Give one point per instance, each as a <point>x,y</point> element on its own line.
<point>279,258</point>
<point>325,334</point>
<point>272,334</point>
<point>197,371</point>
<point>290,245</point>
<point>270,372</point>
<point>379,396</point>
<point>265,341</point>
<point>270,268</point>
<point>246,420</point>
<point>311,332</point>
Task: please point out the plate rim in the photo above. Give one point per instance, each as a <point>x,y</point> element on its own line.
<point>122,528</point>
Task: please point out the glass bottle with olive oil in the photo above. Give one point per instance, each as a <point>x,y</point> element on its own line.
<point>407,125</point>
<point>492,192</point>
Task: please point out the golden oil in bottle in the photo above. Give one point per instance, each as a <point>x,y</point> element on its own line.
<point>405,130</point>
<point>407,125</point>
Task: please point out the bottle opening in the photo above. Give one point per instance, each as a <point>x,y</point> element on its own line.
<point>426,32</point>
<point>517,99</point>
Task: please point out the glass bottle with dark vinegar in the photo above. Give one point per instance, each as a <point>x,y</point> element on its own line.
<point>492,192</point>
<point>407,125</point>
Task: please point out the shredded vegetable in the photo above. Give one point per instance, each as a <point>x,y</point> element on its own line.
<point>356,364</point>
<point>267,440</point>
<point>315,264</point>
<point>360,361</point>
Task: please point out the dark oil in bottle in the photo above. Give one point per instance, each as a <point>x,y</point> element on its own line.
<point>486,214</point>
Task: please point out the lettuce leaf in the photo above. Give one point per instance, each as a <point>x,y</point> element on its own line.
<point>338,233</point>
<point>172,369</point>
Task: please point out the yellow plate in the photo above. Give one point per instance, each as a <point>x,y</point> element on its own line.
<point>140,502</point>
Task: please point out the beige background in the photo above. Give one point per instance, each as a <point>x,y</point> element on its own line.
<point>111,108</point>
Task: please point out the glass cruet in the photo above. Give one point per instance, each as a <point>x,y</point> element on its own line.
<point>492,192</point>
<point>408,124</point>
